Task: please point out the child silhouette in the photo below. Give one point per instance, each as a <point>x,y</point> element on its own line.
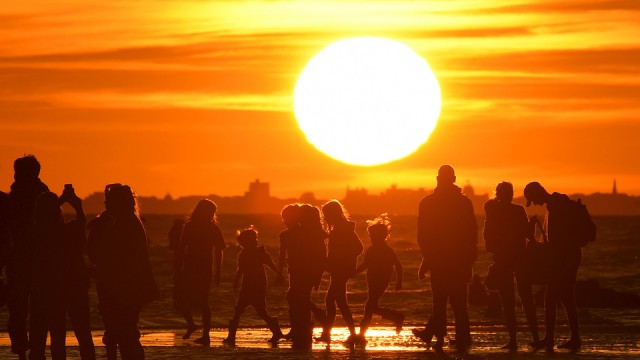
<point>379,261</point>
<point>253,292</point>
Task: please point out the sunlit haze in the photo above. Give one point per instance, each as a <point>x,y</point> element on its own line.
<point>196,97</point>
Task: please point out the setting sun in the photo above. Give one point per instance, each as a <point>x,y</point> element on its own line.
<point>367,101</point>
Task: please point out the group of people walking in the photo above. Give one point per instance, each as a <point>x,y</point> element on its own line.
<point>48,279</point>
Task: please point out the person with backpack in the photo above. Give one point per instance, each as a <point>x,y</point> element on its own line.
<point>569,227</point>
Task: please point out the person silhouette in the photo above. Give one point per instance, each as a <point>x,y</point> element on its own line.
<point>303,250</point>
<point>506,229</point>
<point>253,292</point>
<point>5,241</point>
<point>344,247</point>
<point>61,282</point>
<point>119,248</point>
<point>447,236</point>
<point>174,235</point>
<point>565,256</point>
<point>200,249</point>
<point>379,261</point>
<point>19,270</point>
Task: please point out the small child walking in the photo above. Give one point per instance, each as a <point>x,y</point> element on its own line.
<point>253,291</point>
<point>379,261</point>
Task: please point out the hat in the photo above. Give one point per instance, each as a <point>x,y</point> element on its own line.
<point>531,189</point>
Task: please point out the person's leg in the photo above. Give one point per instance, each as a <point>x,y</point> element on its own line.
<point>550,303</point>
<point>438,321</point>
<point>508,299</point>
<point>203,303</point>
<point>38,327</point>
<point>370,307</point>
<point>57,325</point>
<point>241,304</point>
<point>330,303</point>
<point>79,313</point>
<point>129,336</point>
<point>525,291</point>
<point>19,287</point>
<point>568,300</point>
<point>458,298</point>
<point>260,304</point>
<point>343,305</point>
<point>184,307</point>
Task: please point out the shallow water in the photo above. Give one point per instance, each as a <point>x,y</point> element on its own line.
<point>599,342</point>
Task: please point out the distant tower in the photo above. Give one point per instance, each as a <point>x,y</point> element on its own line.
<point>615,187</point>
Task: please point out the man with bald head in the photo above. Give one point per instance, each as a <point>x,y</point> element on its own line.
<point>447,236</point>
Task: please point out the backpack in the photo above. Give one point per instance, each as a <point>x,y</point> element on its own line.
<point>583,228</point>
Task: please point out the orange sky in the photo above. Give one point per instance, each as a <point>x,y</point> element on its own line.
<point>195,97</point>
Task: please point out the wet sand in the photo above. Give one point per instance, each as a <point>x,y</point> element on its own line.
<point>599,342</point>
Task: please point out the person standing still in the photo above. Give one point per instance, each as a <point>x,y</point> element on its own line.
<point>447,236</point>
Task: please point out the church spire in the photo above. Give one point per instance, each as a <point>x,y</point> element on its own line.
<point>615,187</point>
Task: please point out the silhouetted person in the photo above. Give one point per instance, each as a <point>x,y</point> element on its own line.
<point>565,257</point>
<point>303,249</point>
<point>379,261</point>
<point>61,282</point>
<point>5,241</point>
<point>447,236</point>
<point>119,248</point>
<point>199,251</point>
<point>506,229</point>
<point>344,248</point>
<point>253,292</point>
<point>174,235</point>
<point>19,270</point>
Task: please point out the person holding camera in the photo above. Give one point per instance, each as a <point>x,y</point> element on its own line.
<point>61,278</point>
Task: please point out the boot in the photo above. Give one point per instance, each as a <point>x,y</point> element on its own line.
<point>275,330</point>
<point>230,340</point>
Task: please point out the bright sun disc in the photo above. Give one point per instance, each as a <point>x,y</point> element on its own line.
<point>367,101</point>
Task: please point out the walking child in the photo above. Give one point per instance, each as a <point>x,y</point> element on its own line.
<point>253,291</point>
<point>379,261</point>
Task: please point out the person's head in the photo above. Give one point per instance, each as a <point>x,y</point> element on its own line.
<point>47,210</point>
<point>26,168</point>
<point>120,200</point>
<point>310,215</point>
<point>248,237</point>
<point>379,229</point>
<point>535,193</point>
<point>504,192</point>
<point>446,175</point>
<point>334,212</point>
<point>290,215</point>
<point>205,211</point>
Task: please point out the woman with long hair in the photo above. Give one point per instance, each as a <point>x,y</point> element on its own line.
<point>120,250</point>
<point>200,249</point>
<point>344,248</point>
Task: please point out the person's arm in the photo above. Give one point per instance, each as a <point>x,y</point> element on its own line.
<point>282,257</point>
<point>422,241</point>
<point>399,271</point>
<point>219,245</point>
<point>76,204</point>
<point>217,263</point>
<point>236,281</point>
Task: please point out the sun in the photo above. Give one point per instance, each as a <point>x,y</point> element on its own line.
<point>367,101</point>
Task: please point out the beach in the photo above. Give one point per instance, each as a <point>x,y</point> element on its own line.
<point>599,342</point>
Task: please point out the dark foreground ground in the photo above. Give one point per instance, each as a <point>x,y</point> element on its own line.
<point>600,342</point>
